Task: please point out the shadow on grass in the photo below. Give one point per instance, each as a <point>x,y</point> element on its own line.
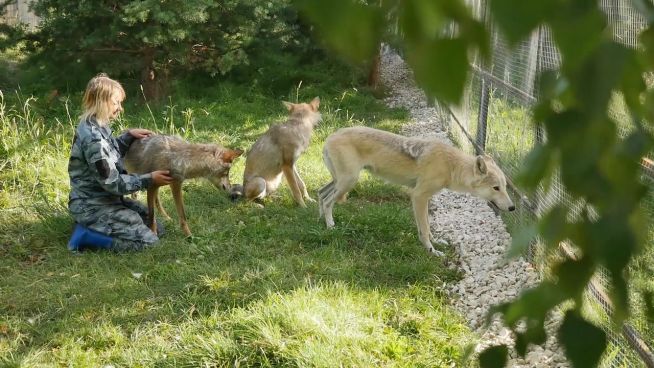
<point>239,255</point>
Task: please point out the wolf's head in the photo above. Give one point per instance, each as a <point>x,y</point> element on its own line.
<point>220,173</point>
<point>490,184</point>
<point>306,112</point>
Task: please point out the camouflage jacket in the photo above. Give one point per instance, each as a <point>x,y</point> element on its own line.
<point>95,167</point>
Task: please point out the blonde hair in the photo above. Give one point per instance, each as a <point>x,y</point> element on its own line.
<point>97,98</point>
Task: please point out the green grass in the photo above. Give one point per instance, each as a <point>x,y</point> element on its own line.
<point>254,287</point>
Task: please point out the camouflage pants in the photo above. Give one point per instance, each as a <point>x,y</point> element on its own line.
<point>124,221</point>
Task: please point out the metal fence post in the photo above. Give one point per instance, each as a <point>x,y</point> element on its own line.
<point>482,117</point>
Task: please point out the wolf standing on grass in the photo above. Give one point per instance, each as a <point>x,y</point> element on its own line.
<point>276,152</point>
<point>98,180</point>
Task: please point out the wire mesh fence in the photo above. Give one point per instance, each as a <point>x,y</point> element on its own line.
<point>495,117</point>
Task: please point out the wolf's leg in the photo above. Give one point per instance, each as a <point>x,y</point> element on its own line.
<point>345,172</point>
<point>302,186</point>
<point>157,203</point>
<point>323,192</point>
<point>255,188</point>
<point>341,187</point>
<point>152,198</point>
<point>420,212</point>
<point>292,182</point>
<point>176,188</point>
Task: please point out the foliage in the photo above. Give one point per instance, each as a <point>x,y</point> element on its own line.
<point>582,144</point>
<point>147,40</point>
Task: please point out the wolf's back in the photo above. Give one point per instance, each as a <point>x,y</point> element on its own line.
<point>150,154</point>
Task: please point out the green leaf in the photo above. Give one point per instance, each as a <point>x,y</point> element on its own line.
<point>440,67</point>
<point>601,74</point>
<point>619,294</point>
<point>633,86</point>
<point>521,240</point>
<point>494,357</point>
<point>421,19</point>
<point>613,240</point>
<point>517,19</point>
<point>574,275</point>
<point>521,343</point>
<point>352,29</point>
<point>580,171</point>
<point>533,303</point>
<point>584,343</point>
<point>536,167</point>
<point>553,226</point>
<point>577,34</point>
<point>534,334</point>
<point>646,39</point>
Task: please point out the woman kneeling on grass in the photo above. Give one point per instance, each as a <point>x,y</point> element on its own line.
<point>98,180</point>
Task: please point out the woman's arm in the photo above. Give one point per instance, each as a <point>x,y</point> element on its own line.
<point>125,140</point>
<point>102,158</point>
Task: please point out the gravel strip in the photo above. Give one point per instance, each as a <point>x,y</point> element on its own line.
<point>478,235</point>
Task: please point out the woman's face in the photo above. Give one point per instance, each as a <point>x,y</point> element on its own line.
<point>116,104</point>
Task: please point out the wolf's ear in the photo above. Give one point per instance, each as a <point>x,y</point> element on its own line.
<point>480,165</point>
<point>289,106</point>
<point>229,155</point>
<point>315,103</point>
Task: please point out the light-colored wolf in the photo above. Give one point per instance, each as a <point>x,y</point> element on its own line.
<point>184,160</point>
<point>276,152</point>
<point>426,166</point>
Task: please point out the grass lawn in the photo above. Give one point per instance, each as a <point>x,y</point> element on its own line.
<point>254,287</point>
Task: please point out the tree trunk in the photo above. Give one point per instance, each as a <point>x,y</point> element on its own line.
<point>153,82</point>
<point>373,73</point>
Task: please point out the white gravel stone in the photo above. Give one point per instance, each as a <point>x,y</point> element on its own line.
<point>471,227</point>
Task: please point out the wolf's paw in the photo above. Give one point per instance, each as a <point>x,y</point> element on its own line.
<point>441,241</point>
<point>436,253</point>
<point>309,199</point>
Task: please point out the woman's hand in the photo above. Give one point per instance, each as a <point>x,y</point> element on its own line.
<point>139,133</point>
<point>161,177</point>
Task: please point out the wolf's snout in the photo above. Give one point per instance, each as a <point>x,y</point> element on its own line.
<point>511,208</point>
<point>236,192</point>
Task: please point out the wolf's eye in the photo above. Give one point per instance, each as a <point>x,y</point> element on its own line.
<point>496,188</point>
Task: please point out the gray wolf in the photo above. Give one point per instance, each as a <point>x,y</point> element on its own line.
<point>276,152</point>
<point>184,160</point>
<point>425,166</point>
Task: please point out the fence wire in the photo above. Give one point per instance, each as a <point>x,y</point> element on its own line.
<point>495,116</point>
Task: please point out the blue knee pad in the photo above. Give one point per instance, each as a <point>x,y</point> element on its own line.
<point>86,238</point>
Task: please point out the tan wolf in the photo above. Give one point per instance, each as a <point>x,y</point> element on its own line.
<point>276,152</point>
<point>426,166</point>
<point>184,160</point>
